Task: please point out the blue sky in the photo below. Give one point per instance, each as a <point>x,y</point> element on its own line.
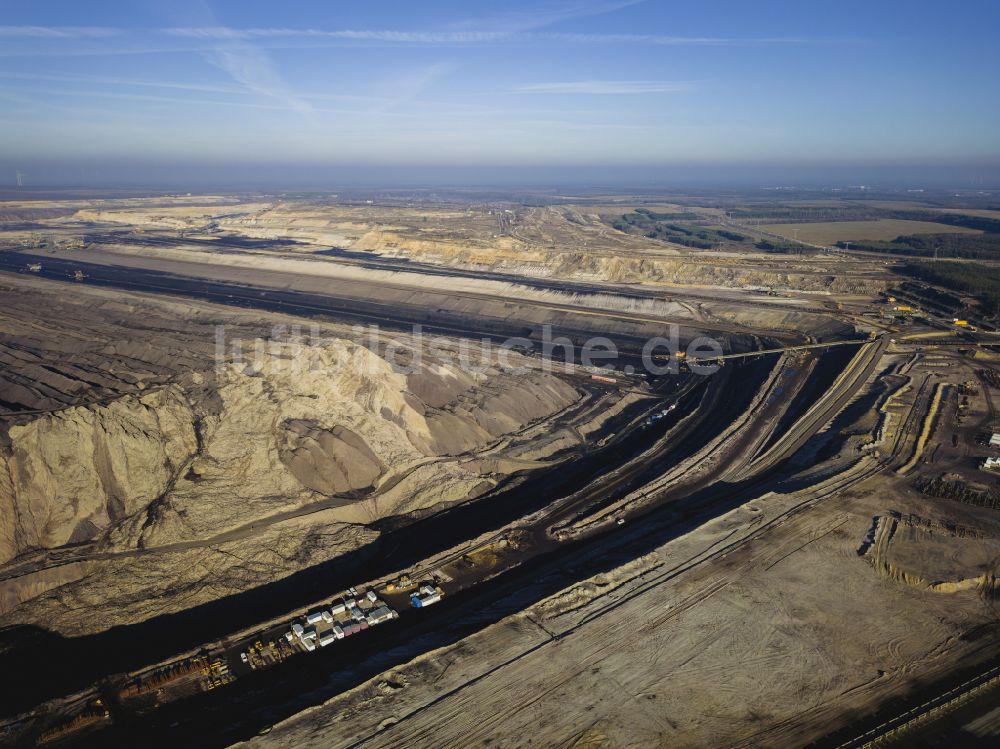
<point>566,82</point>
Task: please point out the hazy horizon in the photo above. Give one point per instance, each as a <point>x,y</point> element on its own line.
<point>200,177</point>
<point>613,91</point>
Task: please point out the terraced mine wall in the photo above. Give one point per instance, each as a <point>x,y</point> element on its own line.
<point>118,649</point>
<point>628,336</point>
<point>265,697</point>
<point>404,542</point>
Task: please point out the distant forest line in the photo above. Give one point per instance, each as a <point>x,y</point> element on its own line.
<point>694,230</point>
<point>793,215</point>
<point>975,279</point>
<point>674,228</point>
<point>968,246</point>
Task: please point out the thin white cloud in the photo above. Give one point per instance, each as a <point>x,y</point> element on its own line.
<point>405,37</point>
<point>665,40</point>
<point>102,80</point>
<point>81,93</point>
<point>57,32</point>
<point>115,81</point>
<point>207,38</point>
<point>606,87</point>
<point>253,69</point>
<point>463,37</point>
<point>410,84</point>
<point>541,16</point>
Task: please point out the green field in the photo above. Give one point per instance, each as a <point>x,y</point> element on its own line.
<point>829,232</point>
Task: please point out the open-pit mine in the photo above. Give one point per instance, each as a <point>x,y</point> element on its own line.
<point>471,469</point>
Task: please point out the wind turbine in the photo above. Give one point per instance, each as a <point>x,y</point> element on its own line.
<point>20,177</point>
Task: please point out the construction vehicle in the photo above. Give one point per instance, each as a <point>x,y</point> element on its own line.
<point>401,583</point>
<point>600,378</point>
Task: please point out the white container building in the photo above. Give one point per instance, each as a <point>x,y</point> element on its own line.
<point>425,600</point>
<point>379,615</point>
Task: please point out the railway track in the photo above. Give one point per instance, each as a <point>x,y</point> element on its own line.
<point>897,726</point>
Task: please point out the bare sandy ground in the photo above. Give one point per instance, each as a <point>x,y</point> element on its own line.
<point>316,274</point>
<point>728,636</point>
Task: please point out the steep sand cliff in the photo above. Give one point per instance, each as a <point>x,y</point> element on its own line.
<point>118,429</point>
<point>72,474</point>
<point>217,451</point>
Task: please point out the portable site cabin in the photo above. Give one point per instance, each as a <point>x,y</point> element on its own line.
<point>420,602</point>
<point>379,615</point>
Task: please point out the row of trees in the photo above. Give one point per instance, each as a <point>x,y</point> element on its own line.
<point>971,246</point>
<point>813,214</point>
